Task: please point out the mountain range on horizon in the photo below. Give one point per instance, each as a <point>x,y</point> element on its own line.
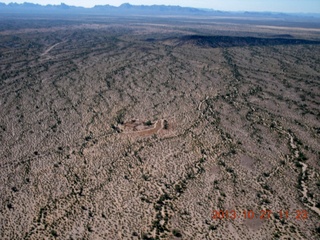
<point>127,8</point>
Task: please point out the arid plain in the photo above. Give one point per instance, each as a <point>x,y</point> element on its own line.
<point>143,128</point>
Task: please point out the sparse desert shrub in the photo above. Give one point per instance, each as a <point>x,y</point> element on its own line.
<point>178,188</point>
<point>148,123</point>
<point>266,187</point>
<point>120,117</point>
<point>158,226</point>
<point>222,163</point>
<point>266,201</point>
<point>164,197</point>
<point>276,235</point>
<point>302,157</point>
<point>176,233</point>
<point>298,165</point>
<point>190,175</point>
<point>145,177</point>
<point>165,124</point>
<point>230,170</point>
<point>157,207</point>
<point>212,227</point>
<point>146,237</point>
<point>54,233</point>
<point>310,195</point>
<point>233,151</point>
<point>266,174</point>
<point>90,229</point>
<point>298,141</point>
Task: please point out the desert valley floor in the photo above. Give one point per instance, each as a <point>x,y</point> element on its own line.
<point>159,128</point>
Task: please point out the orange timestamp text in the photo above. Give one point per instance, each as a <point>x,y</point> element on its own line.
<point>263,214</point>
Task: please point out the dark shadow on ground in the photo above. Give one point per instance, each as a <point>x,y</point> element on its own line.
<point>231,41</point>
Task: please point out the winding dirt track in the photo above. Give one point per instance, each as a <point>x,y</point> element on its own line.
<point>51,47</point>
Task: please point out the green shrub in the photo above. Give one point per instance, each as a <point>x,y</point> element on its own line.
<point>176,233</point>
<point>148,123</point>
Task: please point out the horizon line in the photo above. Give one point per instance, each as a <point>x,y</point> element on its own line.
<point>150,5</point>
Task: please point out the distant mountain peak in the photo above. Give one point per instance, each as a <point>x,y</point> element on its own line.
<point>127,8</point>
<point>125,5</point>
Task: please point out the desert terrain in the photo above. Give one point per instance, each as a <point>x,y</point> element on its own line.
<point>145,128</point>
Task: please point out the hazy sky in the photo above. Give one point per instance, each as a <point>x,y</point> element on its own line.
<point>232,5</point>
